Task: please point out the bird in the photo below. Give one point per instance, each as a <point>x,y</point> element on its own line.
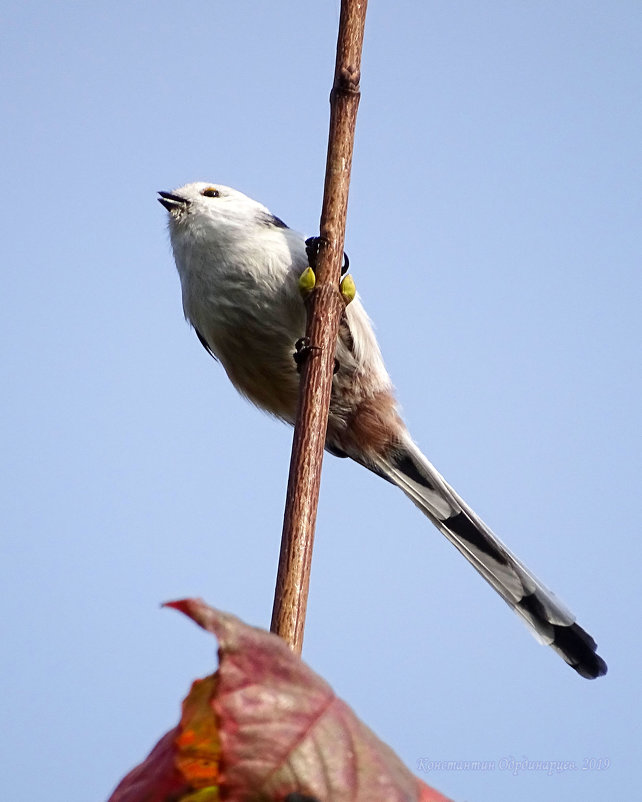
<point>240,269</point>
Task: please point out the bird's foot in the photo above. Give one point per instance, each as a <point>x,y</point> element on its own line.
<point>312,248</point>
<point>303,349</point>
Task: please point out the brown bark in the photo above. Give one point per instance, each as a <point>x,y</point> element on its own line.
<point>325,307</point>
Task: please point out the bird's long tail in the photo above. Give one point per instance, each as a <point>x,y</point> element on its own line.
<point>548,619</point>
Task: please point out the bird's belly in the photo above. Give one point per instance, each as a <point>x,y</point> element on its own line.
<point>271,385</point>
<point>259,361</point>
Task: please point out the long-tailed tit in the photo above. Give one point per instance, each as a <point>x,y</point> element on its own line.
<point>239,267</point>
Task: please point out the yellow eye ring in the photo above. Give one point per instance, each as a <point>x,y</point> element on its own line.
<point>210,192</point>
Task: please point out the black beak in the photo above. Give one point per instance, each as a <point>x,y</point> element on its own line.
<point>173,202</point>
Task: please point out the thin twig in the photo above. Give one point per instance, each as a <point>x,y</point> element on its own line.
<point>325,307</point>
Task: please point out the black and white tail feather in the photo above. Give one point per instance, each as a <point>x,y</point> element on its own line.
<point>549,621</point>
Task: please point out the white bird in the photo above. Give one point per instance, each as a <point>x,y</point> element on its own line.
<point>239,267</point>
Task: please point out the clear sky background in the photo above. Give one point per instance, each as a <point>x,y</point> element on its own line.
<point>494,234</point>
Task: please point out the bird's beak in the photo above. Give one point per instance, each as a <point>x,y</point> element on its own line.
<point>173,203</point>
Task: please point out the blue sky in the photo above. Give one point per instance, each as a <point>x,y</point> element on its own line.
<point>494,234</point>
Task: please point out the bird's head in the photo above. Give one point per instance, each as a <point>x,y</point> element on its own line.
<point>214,208</point>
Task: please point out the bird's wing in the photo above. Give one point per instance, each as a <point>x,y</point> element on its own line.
<point>205,345</point>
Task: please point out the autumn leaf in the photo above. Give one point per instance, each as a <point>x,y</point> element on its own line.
<point>266,727</point>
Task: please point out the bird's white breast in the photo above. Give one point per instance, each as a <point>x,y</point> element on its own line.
<point>241,295</point>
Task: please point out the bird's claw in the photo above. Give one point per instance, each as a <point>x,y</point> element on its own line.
<point>303,349</point>
<point>312,248</point>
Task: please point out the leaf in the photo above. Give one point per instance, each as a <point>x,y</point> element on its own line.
<point>266,727</point>
<point>156,779</point>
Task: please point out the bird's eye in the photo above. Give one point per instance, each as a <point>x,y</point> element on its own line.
<point>210,192</point>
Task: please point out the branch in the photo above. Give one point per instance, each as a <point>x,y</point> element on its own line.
<point>325,307</point>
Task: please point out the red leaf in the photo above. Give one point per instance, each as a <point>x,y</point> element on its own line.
<point>156,779</point>
<point>281,730</point>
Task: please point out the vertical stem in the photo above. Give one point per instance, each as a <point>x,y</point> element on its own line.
<point>324,307</point>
